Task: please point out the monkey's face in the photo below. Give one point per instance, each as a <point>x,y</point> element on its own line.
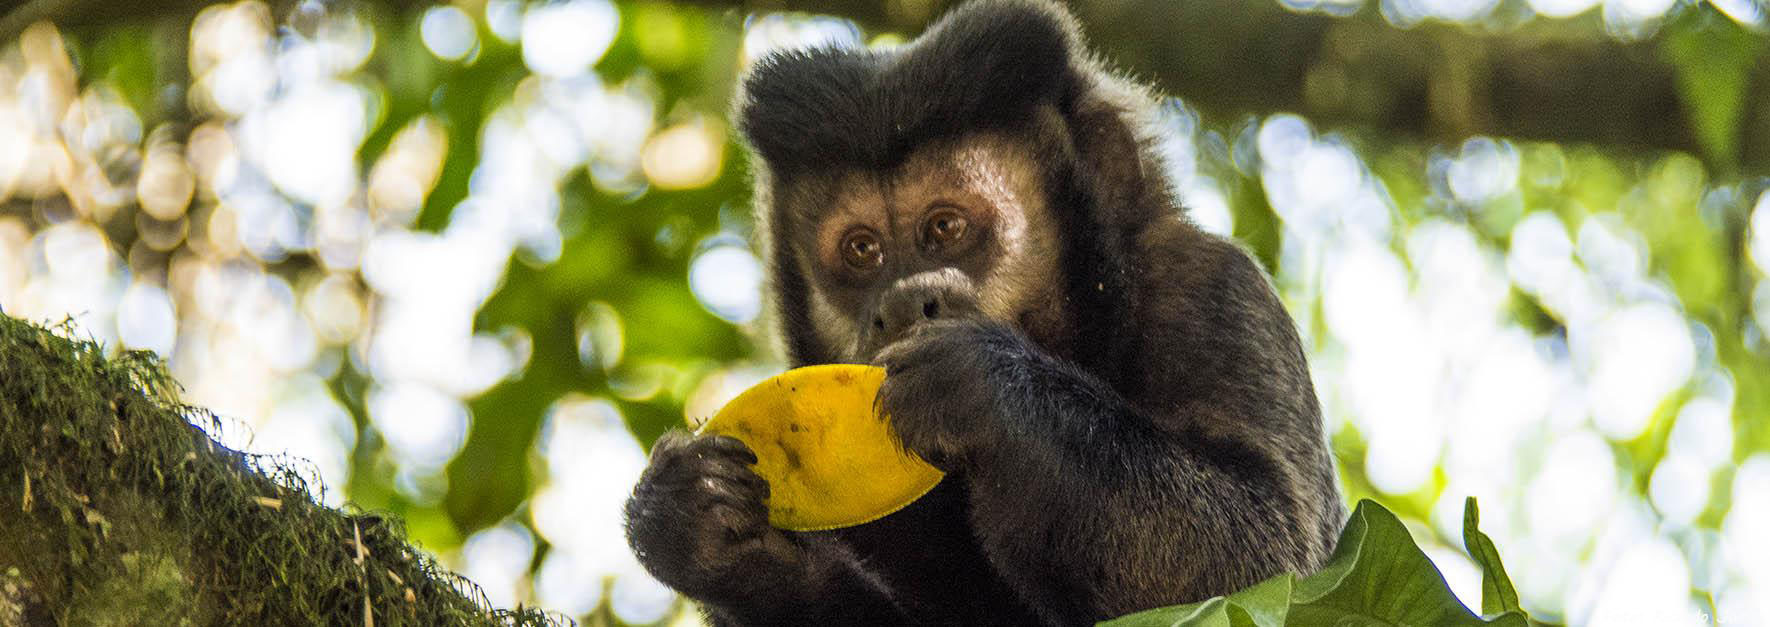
<point>962,228</point>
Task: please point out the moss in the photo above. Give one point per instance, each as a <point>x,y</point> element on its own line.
<point>117,509</point>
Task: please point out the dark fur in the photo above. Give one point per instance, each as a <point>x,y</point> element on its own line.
<point>1164,446</point>
<point>833,108</point>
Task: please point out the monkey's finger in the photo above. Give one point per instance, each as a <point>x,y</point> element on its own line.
<point>686,466</point>
<point>898,357</point>
<point>670,443</point>
<point>716,490</point>
<point>738,524</point>
<point>726,446</point>
<point>729,509</point>
<point>924,343</point>
<point>736,473</point>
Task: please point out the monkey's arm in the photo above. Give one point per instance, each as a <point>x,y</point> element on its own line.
<point>1086,504</point>
<point>836,590</point>
<point>697,522</point>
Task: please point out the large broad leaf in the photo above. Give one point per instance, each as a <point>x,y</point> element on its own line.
<point>1377,576</point>
<point>1265,604</point>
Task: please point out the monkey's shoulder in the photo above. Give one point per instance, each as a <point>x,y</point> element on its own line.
<point>1183,273</point>
<point>1212,330</point>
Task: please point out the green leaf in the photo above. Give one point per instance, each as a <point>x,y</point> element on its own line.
<point>1377,576</point>
<point>1212,612</point>
<point>1497,594</point>
<point>1713,57</point>
<point>1264,604</point>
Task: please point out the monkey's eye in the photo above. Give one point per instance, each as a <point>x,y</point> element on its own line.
<point>861,250</point>
<point>942,228</point>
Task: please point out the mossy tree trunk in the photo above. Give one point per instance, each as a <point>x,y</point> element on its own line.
<point>116,509</point>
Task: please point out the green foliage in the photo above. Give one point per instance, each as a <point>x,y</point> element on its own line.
<point>1497,594</point>
<point>1377,576</point>
<point>118,510</point>
<point>1714,58</point>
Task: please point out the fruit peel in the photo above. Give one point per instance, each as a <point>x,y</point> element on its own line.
<point>829,459</point>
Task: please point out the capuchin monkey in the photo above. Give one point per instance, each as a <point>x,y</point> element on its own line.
<point>1119,399</point>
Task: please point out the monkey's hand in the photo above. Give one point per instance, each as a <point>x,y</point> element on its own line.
<point>697,521</point>
<point>943,386</point>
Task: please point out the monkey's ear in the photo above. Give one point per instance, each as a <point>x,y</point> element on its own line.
<point>809,106</point>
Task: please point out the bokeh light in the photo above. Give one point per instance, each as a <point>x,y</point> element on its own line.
<point>592,463</point>
<point>684,156</point>
<point>448,32</point>
<point>727,279</point>
<point>564,38</point>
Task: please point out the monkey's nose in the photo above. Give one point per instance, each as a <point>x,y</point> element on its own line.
<point>896,316</point>
<point>912,302</point>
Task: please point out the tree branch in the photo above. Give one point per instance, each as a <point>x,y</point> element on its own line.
<point>1555,80</point>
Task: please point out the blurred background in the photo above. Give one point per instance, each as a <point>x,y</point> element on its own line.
<point>470,258</point>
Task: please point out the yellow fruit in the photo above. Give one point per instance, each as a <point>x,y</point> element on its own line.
<point>829,460</point>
